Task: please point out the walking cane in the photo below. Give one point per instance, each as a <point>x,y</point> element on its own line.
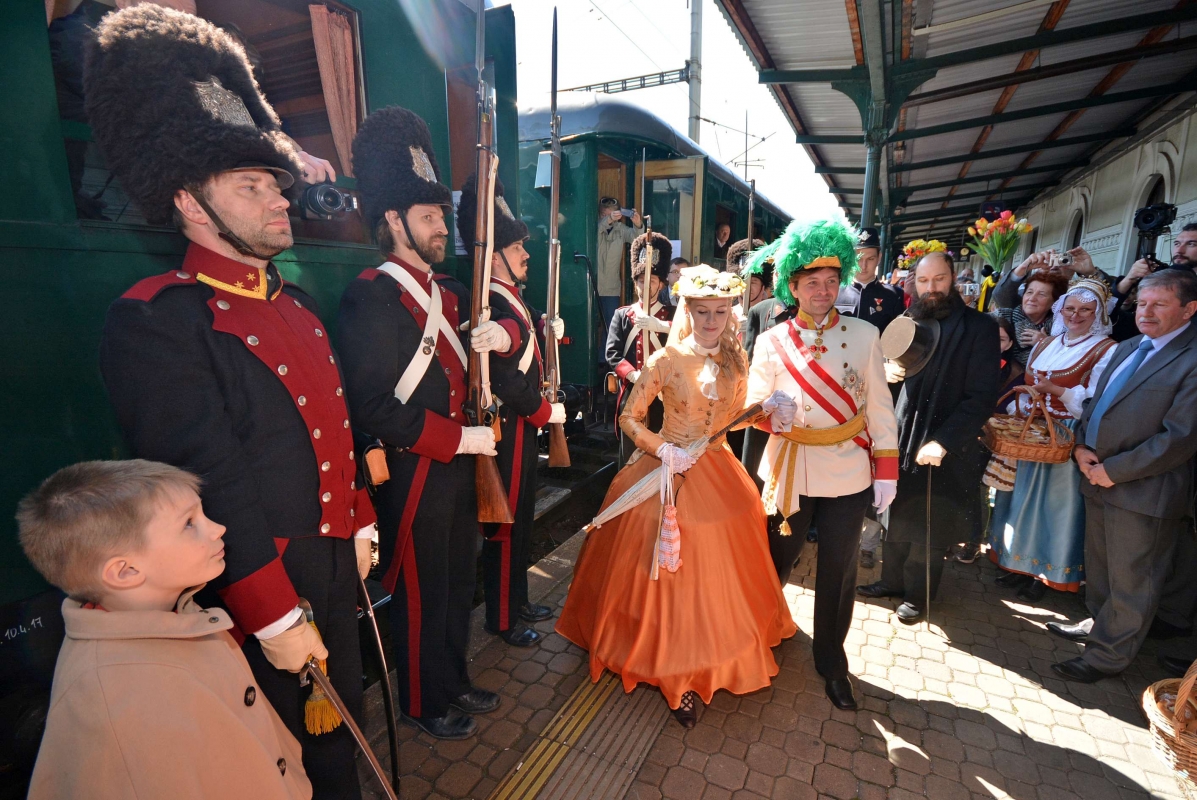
<point>311,672</point>
<point>388,697</point>
<point>927,566</point>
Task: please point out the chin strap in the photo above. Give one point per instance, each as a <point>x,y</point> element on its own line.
<point>237,243</point>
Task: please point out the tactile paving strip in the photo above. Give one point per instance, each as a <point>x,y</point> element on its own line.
<point>592,748</point>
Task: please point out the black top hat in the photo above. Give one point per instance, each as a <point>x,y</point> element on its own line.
<point>508,229</point>
<point>660,252</point>
<point>910,342</point>
<point>172,101</point>
<point>395,165</point>
<point>868,237</point>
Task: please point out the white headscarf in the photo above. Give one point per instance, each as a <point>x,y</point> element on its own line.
<point>1088,291</point>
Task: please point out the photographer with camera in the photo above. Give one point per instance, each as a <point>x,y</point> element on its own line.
<point>612,236</point>
<point>1152,222</point>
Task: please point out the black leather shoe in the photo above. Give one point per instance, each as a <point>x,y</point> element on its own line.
<point>1174,666</point>
<point>1075,669</point>
<point>868,559</point>
<point>909,613</point>
<point>1073,633</point>
<point>476,701</point>
<point>454,725</point>
<point>839,692</point>
<point>1033,592</point>
<point>531,612</point>
<point>1162,630</point>
<point>519,635</point>
<point>877,589</point>
<point>1013,580</point>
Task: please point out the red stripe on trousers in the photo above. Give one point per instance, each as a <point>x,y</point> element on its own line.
<point>504,534</point>
<point>403,535</point>
<point>411,583</point>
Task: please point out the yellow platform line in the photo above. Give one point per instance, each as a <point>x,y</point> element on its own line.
<point>563,731</point>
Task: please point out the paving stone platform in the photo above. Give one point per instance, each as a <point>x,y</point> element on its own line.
<point>966,711</point>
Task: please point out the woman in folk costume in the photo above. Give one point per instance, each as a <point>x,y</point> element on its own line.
<point>1042,540</point>
<point>685,597</point>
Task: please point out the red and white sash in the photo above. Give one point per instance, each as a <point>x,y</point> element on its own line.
<point>804,368</point>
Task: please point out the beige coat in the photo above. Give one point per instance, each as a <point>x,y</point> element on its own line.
<point>155,704</point>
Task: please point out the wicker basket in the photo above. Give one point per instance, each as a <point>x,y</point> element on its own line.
<point>1010,434</point>
<point>1177,749</point>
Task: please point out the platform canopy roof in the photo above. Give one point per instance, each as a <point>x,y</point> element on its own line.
<point>959,102</point>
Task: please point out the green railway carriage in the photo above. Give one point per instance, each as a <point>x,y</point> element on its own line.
<point>607,143</point>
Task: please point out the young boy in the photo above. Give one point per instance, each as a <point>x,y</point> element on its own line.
<point>152,696</point>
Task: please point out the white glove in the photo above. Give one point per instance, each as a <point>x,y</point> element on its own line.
<point>633,376</point>
<point>557,325</point>
<point>674,458</point>
<point>894,372</point>
<point>489,336</point>
<point>290,649</point>
<point>781,409</point>
<point>931,453</point>
<point>884,493</point>
<point>477,441</point>
<point>646,323</point>
<point>365,559</point>
<point>558,415</point>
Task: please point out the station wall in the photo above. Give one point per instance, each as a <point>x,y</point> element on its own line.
<point>1104,200</point>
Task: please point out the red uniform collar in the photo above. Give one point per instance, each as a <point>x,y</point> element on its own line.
<point>225,274</point>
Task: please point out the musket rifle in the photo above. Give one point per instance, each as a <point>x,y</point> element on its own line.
<point>747,297</point>
<point>558,449</point>
<point>480,407</point>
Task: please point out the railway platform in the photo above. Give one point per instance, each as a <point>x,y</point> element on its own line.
<point>969,710</point>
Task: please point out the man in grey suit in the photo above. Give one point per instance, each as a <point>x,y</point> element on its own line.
<point>1136,445</point>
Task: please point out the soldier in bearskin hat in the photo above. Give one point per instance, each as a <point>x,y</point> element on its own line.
<point>405,364</point>
<point>522,411</point>
<point>625,344</point>
<point>841,454</point>
<point>222,368</point>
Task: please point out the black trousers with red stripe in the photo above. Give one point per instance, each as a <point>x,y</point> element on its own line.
<point>428,547</point>
<point>324,572</point>
<point>505,548</point>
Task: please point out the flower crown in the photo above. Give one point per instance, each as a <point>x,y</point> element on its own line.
<point>702,281</point>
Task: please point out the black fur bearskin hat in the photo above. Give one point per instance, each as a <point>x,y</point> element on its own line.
<point>508,229</point>
<point>395,165</point>
<point>737,254</point>
<point>661,252</point>
<point>172,101</point>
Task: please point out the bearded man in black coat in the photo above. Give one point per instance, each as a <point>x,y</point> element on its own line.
<point>940,414</point>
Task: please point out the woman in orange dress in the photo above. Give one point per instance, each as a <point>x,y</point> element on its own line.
<point>711,623</point>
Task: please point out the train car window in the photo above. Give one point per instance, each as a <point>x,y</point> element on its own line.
<point>307,61</point>
<point>671,204</point>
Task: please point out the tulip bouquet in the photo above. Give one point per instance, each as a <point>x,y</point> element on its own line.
<point>918,248</point>
<point>996,241</point>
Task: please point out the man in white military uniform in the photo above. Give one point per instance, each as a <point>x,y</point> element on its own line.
<point>841,452</point>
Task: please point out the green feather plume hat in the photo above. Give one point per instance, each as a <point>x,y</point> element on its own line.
<point>812,244</point>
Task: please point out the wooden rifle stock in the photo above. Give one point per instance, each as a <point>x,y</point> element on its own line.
<point>558,448</point>
<point>492,494</point>
<point>646,302</point>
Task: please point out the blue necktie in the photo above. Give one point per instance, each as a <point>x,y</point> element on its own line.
<point>1113,388</point>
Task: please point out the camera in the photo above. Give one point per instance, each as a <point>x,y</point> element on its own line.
<point>323,201</point>
<point>1152,221</point>
<point>1062,260</point>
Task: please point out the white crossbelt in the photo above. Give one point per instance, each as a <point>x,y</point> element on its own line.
<point>517,305</point>
<point>436,320</point>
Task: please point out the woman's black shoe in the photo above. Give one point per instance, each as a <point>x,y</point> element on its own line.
<point>1033,592</point>
<point>1013,580</point>
<point>687,712</point>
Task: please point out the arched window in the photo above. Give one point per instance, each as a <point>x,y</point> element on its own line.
<point>1156,195</point>
<point>1074,234</point>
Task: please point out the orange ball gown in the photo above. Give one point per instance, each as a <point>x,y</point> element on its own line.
<point>711,624</point>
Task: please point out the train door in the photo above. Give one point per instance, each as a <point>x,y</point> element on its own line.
<point>613,182</point>
<point>674,200</point>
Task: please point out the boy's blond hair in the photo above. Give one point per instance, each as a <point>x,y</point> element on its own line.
<point>88,512</point>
